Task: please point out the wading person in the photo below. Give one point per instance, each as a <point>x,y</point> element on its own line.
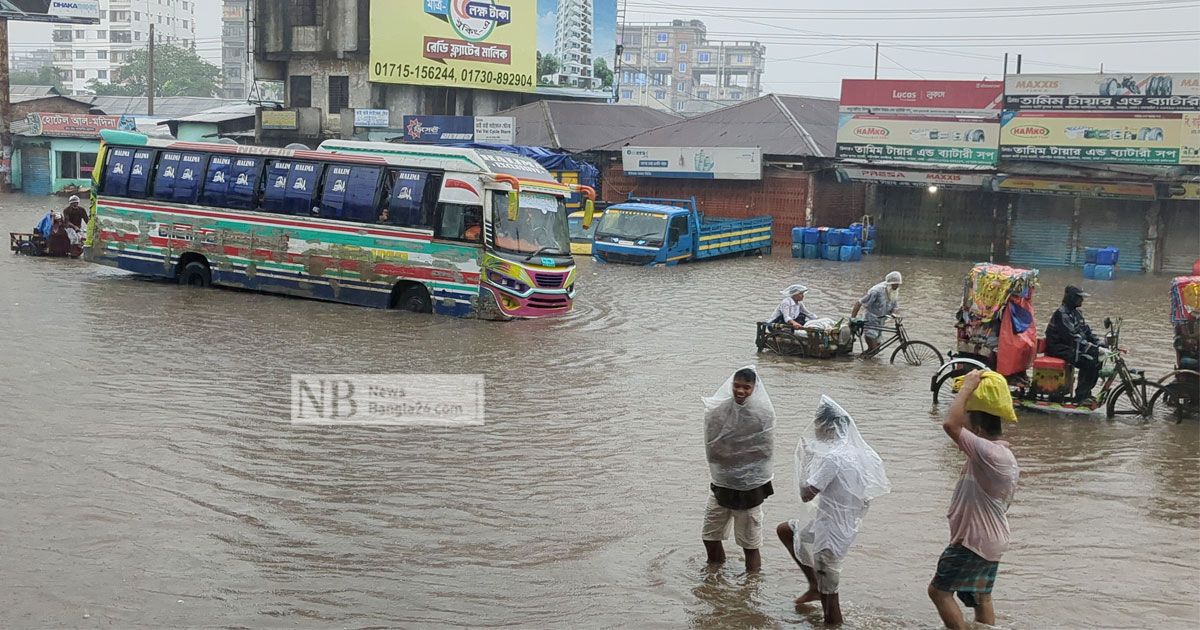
<point>791,311</point>
<point>839,472</point>
<point>1068,337</point>
<point>739,428</point>
<point>880,302</point>
<point>979,506</point>
<point>74,216</point>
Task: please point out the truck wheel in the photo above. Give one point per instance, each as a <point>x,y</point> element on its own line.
<point>195,274</point>
<point>415,300</point>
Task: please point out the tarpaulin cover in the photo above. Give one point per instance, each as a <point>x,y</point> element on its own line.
<point>1018,338</point>
<point>550,160</point>
<point>739,439</point>
<point>1185,299</point>
<point>988,288</point>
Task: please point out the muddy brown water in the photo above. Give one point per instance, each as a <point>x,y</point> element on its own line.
<point>151,477</point>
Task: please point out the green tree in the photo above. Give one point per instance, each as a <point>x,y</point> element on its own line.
<point>46,75</point>
<point>601,71</point>
<point>548,64</point>
<point>177,72</point>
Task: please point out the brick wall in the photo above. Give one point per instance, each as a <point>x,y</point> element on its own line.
<point>836,204</point>
<point>781,194</point>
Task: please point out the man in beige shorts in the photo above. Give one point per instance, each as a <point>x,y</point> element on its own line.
<point>739,425</point>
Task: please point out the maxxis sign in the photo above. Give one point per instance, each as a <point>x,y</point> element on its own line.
<point>1116,138</point>
<point>1153,92</point>
<point>487,44</point>
<point>918,139</point>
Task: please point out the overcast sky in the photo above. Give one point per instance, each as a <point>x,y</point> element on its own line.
<point>813,44</point>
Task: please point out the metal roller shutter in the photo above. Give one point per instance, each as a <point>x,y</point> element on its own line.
<point>968,224</point>
<point>1113,223</point>
<point>35,171</point>
<point>908,221</point>
<point>1181,236</point>
<point>1041,231</point>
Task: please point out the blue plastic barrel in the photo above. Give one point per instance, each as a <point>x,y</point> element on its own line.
<point>871,233</point>
<point>812,250</point>
<point>855,232</point>
<point>822,234</point>
<point>1105,272</point>
<point>797,236</point>
<point>869,248</point>
<point>1089,270</point>
<point>832,252</point>
<point>847,253</point>
<point>797,250</point>
<point>1090,254</point>
<point>1107,256</point>
<point>834,237</point>
<point>812,236</point>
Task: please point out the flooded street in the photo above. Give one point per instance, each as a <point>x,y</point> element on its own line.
<point>152,478</point>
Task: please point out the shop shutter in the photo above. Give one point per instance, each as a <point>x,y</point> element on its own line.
<point>1041,231</point>
<point>1113,223</point>
<point>35,170</point>
<point>968,227</point>
<point>1180,236</point>
<point>908,221</point>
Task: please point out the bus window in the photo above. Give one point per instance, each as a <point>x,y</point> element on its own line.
<point>278,172</point>
<point>243,185</point>
<point>408,204</point>
<point>362,198</point>
<point>458,222</point>
<point>117,163</point>
<point>216,183</point>
<point>333,195</point>
<point>300,196</point>
<point>139,173</point>
<point>178,176</point>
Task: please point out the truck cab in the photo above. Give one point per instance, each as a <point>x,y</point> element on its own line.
<point>653,231</point>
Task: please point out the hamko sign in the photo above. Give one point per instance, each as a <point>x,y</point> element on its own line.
<point>1122,138</point>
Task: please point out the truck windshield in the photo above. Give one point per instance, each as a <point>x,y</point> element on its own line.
<point>632,225</point>
<point>540,228</point>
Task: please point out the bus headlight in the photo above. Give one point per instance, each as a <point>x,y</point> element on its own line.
<point>509,283</point>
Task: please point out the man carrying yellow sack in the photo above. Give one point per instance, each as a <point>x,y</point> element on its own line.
<point>979,506</point>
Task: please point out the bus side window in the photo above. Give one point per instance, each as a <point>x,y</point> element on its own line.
<point>362,196</point>
<point>139,173</point>
<point>301,194</point>
<point>216,183</point>
<point>117,164</point>
<point>458,222</point>
<point>165,174</point>
<point>243,183</point>
<point>189,177</point>
<point>278,172</point>
<point>333,194</point>
<point>410,202</point>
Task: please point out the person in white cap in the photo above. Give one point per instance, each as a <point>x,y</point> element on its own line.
<point>880,302</point>
<point>74,216</point>
<point>791,311</point>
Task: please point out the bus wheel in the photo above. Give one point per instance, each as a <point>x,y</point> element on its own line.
<point>414,299</point>
<point>195,274</point>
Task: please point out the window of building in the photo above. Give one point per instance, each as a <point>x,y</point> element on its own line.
<point>300,91</point>
<point>79,34</point>
<point>80,74</point>
<point>740,58</point>
<point>303,12</point>
<point>662,38</point>
<point>704,57</point>
<point>661,56</point>
<point>660,94</point>
<point>735,96</point>
<point>102,74</point>
<point>626,94</point>
<point>683,66</point>
<point>682,47</point>
<point>185,24</point>
<point>137,15</point>
<point>101,34</point>
<point>102,54</point>
<point>73,165</point>
<point>702,95</point>
<point>79,54</point>
<point>339,94</point>
<point>683,87</point>
<point>61,36</point>
<point>628,57</point>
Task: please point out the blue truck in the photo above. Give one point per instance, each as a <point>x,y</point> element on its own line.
<point>651,231</point>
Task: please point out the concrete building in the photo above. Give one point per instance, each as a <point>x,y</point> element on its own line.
<point>573,38</point>
<point>674,66</point>
<point>30,60</point>
<point>83,53</point>
<point>235,56</point>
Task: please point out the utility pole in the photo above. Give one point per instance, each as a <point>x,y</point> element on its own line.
<point>6,148</point>
<point>876,60</point>
<point>1018,63</point>
<point>1006,65</point>
<point>150,75</point>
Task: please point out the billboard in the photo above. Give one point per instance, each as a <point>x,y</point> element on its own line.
<point>459,129</point>
<point>564,47</point>
<point>1121,138</point>
<point>937,98</point>
<point>693,162</point>
<point>912,178</point>
<point>70,11</point>
<point>70,125</point>
<point>373,118</point>
<point>918,139</point>
<point>1160,91</point>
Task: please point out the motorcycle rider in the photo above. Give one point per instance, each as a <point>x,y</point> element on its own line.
<point>1068,337</point>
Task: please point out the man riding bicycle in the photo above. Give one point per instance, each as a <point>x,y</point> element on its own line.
<point>880,302</point>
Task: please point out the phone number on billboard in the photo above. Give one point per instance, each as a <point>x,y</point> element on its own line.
<point>466,76</point>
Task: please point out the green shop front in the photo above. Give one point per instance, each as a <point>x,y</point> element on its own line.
<point>55,151</point>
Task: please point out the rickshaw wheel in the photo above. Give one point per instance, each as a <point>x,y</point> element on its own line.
<point>1177,399</point>
<point>1123,402</point>
<point>918,353</point>
<point>783,344</point>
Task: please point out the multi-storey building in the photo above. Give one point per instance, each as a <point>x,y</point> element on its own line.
<point>674,66</point>
<point>573,43</point>
<point>83,53</point>
<point>235,57</point>
<point>29,60</point>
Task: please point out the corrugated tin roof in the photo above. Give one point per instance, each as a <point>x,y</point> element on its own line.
<point>27,98</point>
<point>782,125</point>
<point>164,106</point>
<point>580,126</point>
<point>33,90</point>
<point>219,114</point>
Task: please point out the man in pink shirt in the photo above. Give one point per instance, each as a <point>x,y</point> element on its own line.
<point>978,521</point>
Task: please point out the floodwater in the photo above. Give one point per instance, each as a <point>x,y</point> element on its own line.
<point>151,477</point>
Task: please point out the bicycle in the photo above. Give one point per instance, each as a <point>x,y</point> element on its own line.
<point>914,352</point>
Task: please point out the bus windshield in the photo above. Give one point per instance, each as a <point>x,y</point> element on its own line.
<point>633,225</point>
<point>540,228</point>
<point>578,234</point>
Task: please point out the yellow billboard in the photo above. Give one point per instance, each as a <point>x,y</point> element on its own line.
<point>455,43</point>
<point>1128,138</point>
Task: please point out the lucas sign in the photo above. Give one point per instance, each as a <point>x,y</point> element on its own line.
<point>936,98</point>
<point>692,162</point>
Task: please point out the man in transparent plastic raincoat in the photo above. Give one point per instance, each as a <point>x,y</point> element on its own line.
<point>840,473</point>
<point>739,428</point>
